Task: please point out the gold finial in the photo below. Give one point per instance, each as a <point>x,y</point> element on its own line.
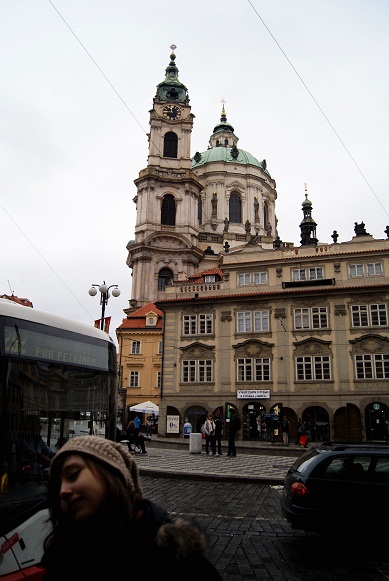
<point>223,114</point>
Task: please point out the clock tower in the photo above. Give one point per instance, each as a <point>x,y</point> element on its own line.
<point>167,225</point>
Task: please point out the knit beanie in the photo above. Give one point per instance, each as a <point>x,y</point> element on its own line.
<point>113,454</point>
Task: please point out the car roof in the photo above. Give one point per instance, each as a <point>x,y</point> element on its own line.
<point>353,447</point>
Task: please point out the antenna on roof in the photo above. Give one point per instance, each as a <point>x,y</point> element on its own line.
<point>10,288</point>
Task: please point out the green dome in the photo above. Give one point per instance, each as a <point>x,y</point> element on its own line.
<point>227,155</point>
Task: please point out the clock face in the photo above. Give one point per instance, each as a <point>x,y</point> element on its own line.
<point>171,112</point>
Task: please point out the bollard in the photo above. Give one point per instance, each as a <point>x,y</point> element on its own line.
<point>195,443</point>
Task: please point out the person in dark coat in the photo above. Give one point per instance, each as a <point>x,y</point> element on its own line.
<point>101,523</point>
<point>234,427</point>
<point>219,424</point>
<point>135,438</point>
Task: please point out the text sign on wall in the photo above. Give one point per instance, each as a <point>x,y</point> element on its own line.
<point>253,394</point>
<point>172,424</point>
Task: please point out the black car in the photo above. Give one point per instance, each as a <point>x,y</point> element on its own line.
<point>332,487</point>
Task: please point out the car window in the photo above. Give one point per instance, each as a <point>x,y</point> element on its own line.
<point>382,469</point>
<point>347,467</point>
<point>303,463</point>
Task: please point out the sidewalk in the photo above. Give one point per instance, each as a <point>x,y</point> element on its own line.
<point>255,461</point>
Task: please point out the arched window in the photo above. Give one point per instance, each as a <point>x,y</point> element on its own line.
<point>170,145</point>
<point>168,211</point>
<point>165,277</point>
<point>235,209</point>
<point>200,210</point>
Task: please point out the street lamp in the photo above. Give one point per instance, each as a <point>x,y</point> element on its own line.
<point>104,292</point>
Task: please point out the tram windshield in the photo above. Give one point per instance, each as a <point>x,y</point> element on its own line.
<point>58,380</point>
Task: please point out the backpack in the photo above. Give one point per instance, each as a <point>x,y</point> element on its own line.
<point>202,429</point>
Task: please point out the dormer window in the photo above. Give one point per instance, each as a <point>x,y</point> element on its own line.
<point>210,278</point>
<point>151,321</point>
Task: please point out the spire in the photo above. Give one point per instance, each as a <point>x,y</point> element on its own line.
<point>308,224</point>
<point>171,89</point>
<point>223,126</point>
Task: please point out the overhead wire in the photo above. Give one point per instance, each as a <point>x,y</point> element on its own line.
<point>145,132</point>
<point>319,107</point>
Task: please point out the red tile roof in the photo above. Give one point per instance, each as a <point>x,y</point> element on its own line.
<point>14,299</point>
<point>137,319</point>
<point>199,276</point>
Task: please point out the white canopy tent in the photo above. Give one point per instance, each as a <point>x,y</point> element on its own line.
<point>147,407</point>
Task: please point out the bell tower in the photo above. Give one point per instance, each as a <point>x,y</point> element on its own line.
<point>167,225</point>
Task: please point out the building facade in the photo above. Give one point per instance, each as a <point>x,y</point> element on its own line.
<point>301,332</point>
<point>140,359</point>
<point>251,321</point>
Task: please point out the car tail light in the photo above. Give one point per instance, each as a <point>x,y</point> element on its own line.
<point>299,489</point>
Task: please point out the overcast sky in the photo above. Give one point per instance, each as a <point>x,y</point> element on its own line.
<point>306,87</point>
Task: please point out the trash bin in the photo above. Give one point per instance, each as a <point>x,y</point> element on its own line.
<point>195,443</point>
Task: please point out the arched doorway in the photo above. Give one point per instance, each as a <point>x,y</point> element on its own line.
<point>252,421</point>
<point>196,416</point>
<point>317,422</point>
<point>347,424</point>
<point>376,421</point>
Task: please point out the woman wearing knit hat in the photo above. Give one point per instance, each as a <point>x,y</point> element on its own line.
<point>102,525</point>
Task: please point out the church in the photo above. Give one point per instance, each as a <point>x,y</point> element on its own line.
<point>225,314</point>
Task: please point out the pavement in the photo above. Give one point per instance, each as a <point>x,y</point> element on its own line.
<point>263,462</point>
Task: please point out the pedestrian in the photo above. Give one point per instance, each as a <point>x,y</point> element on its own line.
<point>138,424</point>
<point>149,429</point>
<point>285,425</point>
<point>302,434</point>
<point>209,431</point>
<point>234,427</point>
<point>101,522</point>
<point>299,431</point>
<point>219,425</point>
<point>135,438</point>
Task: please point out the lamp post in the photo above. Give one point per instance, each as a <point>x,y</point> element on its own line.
<point>104,296</point>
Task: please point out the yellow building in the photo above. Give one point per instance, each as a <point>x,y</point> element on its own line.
<point>140,359</point>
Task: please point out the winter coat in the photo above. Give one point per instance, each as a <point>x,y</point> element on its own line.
<point>176,549</point>
<point>209,427</point>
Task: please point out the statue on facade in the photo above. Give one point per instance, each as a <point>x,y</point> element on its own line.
<point>360,230</point>
<point>226,224</point>
<point>256,209</point>
<point>214,204</point>
<point>334,236</point>
<point>268,229</point>
<point>387,231</point>
<point>247,227</point>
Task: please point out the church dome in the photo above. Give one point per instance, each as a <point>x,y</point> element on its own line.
<point>227,155</point>
<point>223,148</point>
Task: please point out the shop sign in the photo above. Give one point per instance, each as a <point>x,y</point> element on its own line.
<point>253,394</point>
<point>172,424</point>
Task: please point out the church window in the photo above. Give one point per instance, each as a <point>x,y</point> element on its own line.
<point>168,211</point>
<point>265,215</point>
<point>165,278</point>
<point>200,210</point>
<point>235,209</point>
<point>170,145</point>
